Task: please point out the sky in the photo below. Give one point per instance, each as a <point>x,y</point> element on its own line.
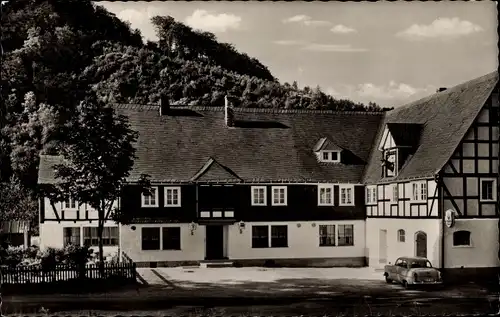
<point>390,53</point>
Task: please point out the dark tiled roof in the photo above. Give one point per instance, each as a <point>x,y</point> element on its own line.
<point>266,144</point>
<point>326,144</point>
<point>214,171</point>
<point>46,172</point>
<point>405,134</point>
<point>445,116</point>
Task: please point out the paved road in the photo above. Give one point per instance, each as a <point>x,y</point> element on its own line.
<point>278,293</point>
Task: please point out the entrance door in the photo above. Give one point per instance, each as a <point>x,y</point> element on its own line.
<point>383,246</point>
<point>421,244</point>
<point>214,242</point>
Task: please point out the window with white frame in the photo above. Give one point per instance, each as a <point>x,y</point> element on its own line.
<point>325,195</point>
<point>394,193</point>
<point>345,235</point>
<point>150,200</point>
<point>279,196</point>
<point>110,236</point>
<point>488,189</point>
<point>371,194</point>
<point>346,193</point>
<point>172,196</point>
<point>327,235</point>
<point>71,235</point>
<point>401,235</point>
<point>70,203</point>
<point>259,195</point>
<point>330,156</point>
<point>419,191</point>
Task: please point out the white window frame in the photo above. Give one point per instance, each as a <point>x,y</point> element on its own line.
<point>420,186</point>
<point>166,190</point>
<point>285,194</point>
<point>66,206</point>
<point>254,203</point>
<point>401,234</point>
<point>395,193</point>
<point>346,187</point>
<point>324,186</point>
<point>371,192</point>
<point>322,159</point>
<point>143,198</point>
<point>494,185</point>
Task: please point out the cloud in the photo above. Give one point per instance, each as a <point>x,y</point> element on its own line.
<point>333,92</point>
<point>297,18</point>
<point>207,21</point>
<point>315,47</point>
<point>332,48</point>
<point>140,19</point>
<point>342,29</point>
<point>392,91</point>
<point>441,28</point>
<point>306,20</point>
<point>289,42</point>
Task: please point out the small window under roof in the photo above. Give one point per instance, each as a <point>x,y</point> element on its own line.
<point>327,151</point>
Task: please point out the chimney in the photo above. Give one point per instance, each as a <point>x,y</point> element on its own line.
<point>441,89</point>
<point>164,105</point>
<point>228,112</point>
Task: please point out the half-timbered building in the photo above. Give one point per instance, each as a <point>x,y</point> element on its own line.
<point>71,222</point>
<point>433,159</point>
<point>246,185</point>
<point>306,187</point>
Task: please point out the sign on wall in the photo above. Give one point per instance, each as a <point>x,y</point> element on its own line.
<point>449,218</point>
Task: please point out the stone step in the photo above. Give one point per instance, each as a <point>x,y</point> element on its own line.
<point>216,264</point>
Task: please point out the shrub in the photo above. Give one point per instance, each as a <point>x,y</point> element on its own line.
<point>32,252</point>
<point>77,255</point>
<point>50,257</point>
<point>12,256</point>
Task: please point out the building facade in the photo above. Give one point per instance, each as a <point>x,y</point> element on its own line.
<point>307,187</point>
<point>432,184</point>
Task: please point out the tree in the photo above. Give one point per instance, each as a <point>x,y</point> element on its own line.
<point>98,156</point>
<point>18,203</point>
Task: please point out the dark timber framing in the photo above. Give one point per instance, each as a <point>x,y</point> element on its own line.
<point>475,137</point>
<point>399,209</point>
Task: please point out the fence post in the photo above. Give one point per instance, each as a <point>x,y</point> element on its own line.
<point>134,272</point>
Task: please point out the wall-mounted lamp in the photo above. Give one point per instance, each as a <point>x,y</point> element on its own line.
<point>192,227</point>
<point>133,228</point>
<point>241,225</point>
<point>299,225</point>
<point>313,225</point>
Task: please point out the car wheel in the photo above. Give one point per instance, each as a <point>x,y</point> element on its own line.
<point>388,280</point>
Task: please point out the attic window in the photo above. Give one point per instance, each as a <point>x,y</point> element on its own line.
<point>330,156</point>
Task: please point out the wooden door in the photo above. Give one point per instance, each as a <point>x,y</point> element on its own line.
<point>421,244</point>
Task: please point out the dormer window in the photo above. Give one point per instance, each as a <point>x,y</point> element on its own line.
<point>399,142</point>
<point>330,156</point>
<point>327,151</point>
<point>389,163</point>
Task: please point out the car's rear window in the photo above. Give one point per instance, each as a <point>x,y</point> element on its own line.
<point>420,264</point>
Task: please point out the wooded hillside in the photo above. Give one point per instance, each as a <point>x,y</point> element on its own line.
<point>56,52</point>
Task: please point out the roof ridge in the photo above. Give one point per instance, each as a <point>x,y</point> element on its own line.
<point>247,110</point>
<point>462,85</point>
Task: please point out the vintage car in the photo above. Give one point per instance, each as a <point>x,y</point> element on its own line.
<point>412,271</point>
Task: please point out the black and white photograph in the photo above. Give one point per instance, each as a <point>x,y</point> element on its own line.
<point>249,158</point>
